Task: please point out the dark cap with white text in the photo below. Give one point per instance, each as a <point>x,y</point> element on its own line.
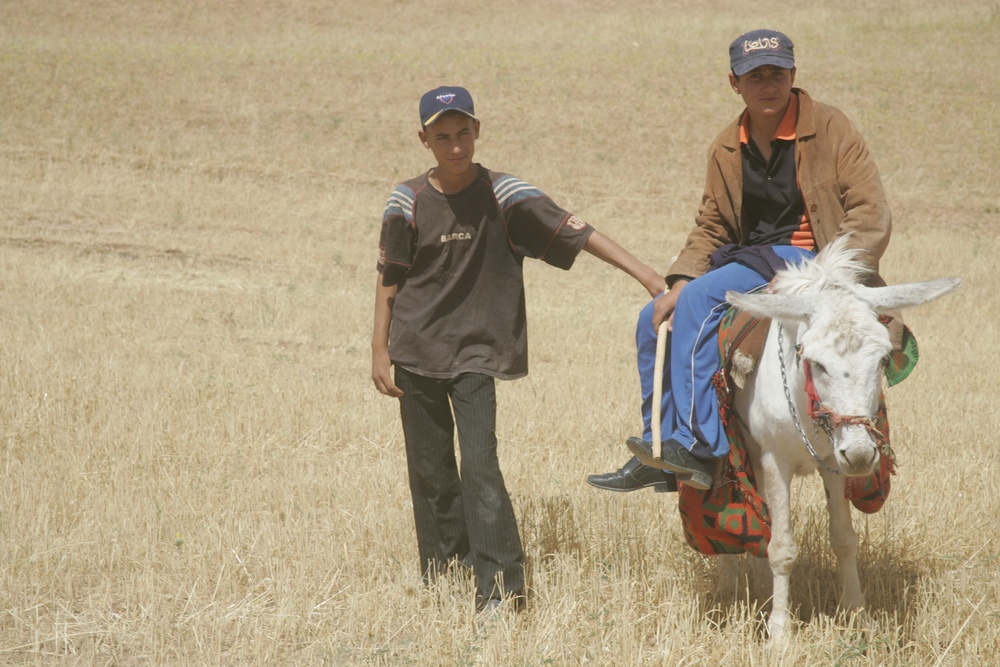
<point>446,98</point>
<point>760,47</point>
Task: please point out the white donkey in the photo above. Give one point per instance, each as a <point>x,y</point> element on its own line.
<point>824,320</point>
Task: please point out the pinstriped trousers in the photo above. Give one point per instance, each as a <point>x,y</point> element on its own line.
<point>465,515</point>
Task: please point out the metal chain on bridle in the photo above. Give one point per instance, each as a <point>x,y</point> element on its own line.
<point>795,414</point>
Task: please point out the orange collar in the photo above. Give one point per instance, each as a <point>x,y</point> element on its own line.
<point>785,131</point>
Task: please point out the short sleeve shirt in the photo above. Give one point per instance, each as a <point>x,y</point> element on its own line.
<point>457,260</point>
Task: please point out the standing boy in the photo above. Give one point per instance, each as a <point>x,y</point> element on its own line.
<point>450,316</point>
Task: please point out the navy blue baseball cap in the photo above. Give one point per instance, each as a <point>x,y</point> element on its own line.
<point>760,47</point>
<point>446,98</point>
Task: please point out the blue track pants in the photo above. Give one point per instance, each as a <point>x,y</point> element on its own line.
<point>690,408</point>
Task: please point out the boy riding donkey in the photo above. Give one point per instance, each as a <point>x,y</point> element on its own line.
<point>784,179</point>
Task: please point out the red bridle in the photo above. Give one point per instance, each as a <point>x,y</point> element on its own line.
<point>823,414</point>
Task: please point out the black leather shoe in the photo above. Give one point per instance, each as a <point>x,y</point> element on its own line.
<point>634,476</point>
<point>676,458</point>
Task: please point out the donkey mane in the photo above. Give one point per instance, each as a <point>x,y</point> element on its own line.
<point>833,275</point>
<point>851,326</point>
<point>836,267</point>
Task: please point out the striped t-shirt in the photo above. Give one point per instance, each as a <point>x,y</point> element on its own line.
<point>457,260</point>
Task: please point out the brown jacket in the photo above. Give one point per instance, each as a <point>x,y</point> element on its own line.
<point>840,185</point>
<point>838,178</point>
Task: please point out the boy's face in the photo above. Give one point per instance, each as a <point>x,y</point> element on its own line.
<point>452,139</point>
<point>765,90</point>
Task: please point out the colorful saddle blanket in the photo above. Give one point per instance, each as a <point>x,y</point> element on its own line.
<point>731,517</point>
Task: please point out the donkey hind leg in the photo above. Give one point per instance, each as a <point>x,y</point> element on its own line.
<point>844,542</point>
<point>781,550</point>
<point>728,582</point>
<point>743,578</point>
<point>763,580</point>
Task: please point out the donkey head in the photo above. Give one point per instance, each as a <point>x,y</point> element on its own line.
<point>842,345</point>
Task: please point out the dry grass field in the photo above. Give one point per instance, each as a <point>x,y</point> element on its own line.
<point>196,468</point>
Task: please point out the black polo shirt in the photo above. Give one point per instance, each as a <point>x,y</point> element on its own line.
<point>772,201</point>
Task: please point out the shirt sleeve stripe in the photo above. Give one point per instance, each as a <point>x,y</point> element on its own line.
<point>511,190</point>
<point>400,203</point>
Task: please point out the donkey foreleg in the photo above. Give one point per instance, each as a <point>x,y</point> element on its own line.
<point>843,541</point>
<point>781,550</point>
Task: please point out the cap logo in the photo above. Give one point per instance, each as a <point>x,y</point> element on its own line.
<point>446,98</point>
<point>762,43</point>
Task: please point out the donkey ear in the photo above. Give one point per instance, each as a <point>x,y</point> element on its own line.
<point>895,297</point>
<point>778,306</point>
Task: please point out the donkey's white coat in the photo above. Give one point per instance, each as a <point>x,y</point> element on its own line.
<point>822,307</point>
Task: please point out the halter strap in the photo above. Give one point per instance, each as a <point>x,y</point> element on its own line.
<point>820,411</point>
<point>823,414</point>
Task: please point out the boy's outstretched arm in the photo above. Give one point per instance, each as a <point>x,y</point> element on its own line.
<point>381,376</point>
<point>603,248</point>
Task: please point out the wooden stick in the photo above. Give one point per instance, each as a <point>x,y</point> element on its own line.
<point>661,346</point>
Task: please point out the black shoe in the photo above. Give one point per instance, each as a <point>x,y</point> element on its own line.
<point>634,476</point>
<point>676,458</point>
